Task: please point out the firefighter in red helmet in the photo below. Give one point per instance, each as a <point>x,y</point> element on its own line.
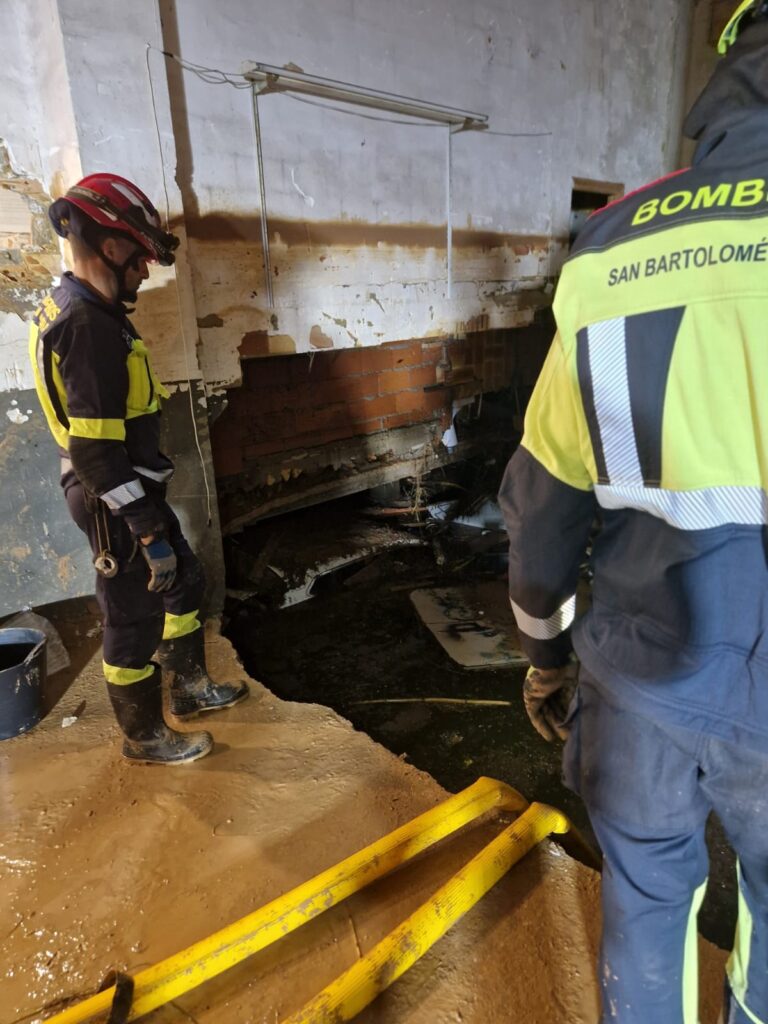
<point>102,403</point>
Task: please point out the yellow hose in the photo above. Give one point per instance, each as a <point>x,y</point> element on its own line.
<point>184,971</point>
<point>350,993</point>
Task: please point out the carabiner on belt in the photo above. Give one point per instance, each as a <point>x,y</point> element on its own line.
<point>105,562</point>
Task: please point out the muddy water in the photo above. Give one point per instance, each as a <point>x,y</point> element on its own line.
<point>106,865</point>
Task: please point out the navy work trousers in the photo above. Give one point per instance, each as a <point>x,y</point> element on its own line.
<point>134,616</point>
<point>649,789</point>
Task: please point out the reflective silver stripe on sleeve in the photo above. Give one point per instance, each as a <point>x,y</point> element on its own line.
<point>690,510</point>
<point>123,495</point>
<point>161,476</point>
<point>610,383</point>
<point>545,629</point>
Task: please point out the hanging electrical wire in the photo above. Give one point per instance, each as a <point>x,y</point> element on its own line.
<point>516,135</point>
<point>211,76</point>
<point>358,113</point>
<point>185,348</point>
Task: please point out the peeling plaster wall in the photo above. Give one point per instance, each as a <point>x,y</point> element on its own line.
<point>83,105</point>
<point>42,557</point>
<point>37,151</point>
<point>357,206</point>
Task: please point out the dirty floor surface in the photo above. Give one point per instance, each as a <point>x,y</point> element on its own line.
<point>361,649</point>
<point>106,865</point>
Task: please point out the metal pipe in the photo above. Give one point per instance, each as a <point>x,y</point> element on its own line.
<point>263,195</point>
<point>448,217</point>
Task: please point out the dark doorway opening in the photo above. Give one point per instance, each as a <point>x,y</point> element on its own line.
<point>588,196</point>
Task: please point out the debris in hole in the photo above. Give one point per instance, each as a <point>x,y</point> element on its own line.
<point>310,553</point>
<point>470,635</point>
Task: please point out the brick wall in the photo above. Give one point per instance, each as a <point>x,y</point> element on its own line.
<point>306,401</point>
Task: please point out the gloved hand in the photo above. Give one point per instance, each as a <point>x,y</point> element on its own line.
<point>547,692</point>
<point>161,559</point>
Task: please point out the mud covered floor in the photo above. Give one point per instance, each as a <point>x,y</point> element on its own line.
<point>358,642</point>
<point>107,865</point>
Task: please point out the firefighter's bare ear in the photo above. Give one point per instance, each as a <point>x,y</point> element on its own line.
<point>111,247</point>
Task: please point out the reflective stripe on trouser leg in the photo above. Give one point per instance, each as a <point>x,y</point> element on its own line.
<point>747,967</point>
<point>126,676</point>
<point>650,890</point>
<point>691,960</point>
<point>176,626</point>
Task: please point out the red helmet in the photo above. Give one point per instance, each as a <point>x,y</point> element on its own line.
<point>118,205</point>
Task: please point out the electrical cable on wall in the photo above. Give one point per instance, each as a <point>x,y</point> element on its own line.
<point>359,113</point>
<point>209,507</point>
<point>408,124</point>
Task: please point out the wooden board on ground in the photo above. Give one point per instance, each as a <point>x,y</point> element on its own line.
<point>472,623</point>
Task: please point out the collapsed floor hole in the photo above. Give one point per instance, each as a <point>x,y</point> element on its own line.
<point>357,645</point>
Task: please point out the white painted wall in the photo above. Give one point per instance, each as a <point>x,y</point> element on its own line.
<point>605,80</point>
<point>106,54</point>
<point>37,122</point>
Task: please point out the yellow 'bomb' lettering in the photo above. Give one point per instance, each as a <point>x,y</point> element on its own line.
<point>747,193</point>
<point>707,197</point>
<point>675,202</point>
<point>646,212</point>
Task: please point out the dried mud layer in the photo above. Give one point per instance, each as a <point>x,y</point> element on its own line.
<point>107,865</point>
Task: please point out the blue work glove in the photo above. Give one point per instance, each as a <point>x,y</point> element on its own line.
<point>161,559</point>
<point>547,694</point>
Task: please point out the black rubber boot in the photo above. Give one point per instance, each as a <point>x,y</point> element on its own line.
<point>192,689</point>
<point>138,708</point>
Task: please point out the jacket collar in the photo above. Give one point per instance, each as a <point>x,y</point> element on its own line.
<point>77,287</point>
<point>734,103</point>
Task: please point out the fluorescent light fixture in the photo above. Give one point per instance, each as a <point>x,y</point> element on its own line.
<point>266,79</point>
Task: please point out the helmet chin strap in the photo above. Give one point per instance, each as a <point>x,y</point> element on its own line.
<point>119,270</point>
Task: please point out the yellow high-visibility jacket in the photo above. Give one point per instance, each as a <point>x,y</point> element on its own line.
<point>651,415</point>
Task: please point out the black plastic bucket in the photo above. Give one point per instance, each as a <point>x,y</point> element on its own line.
<point>22,675</point>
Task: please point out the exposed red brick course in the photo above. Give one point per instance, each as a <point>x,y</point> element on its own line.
<point>309,400</point>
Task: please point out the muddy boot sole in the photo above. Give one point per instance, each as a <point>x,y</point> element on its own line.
<point>136,755</point>
<point>185,708</point>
